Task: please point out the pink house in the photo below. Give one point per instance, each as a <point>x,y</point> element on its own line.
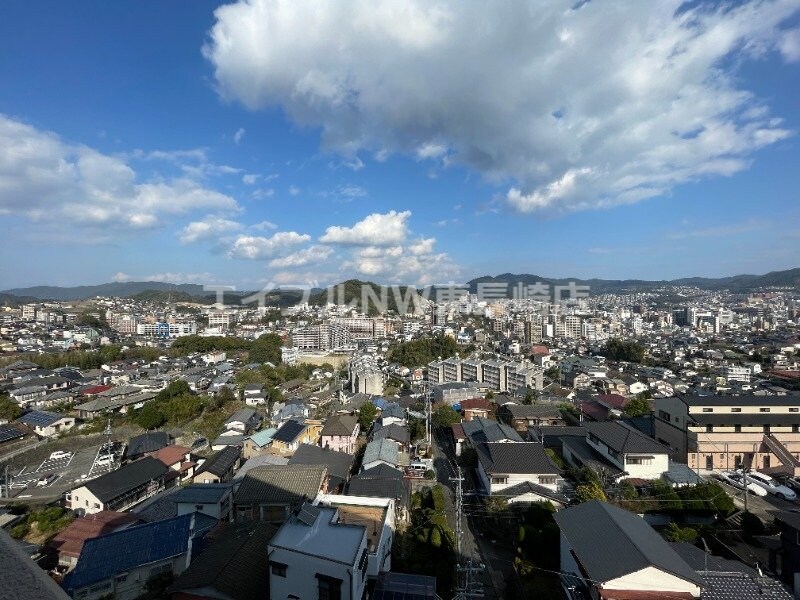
<point>340,433</point>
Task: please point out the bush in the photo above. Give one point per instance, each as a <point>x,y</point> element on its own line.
<point>675,533</point>
<point>430,475</point>
<point>590,491</point>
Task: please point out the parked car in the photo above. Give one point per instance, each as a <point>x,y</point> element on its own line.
<point>791,482</point>
<point>737,480</point>
<point>771,485</point>
<point>199,443</point>
<point>46,480</point>
<point>60,454</point>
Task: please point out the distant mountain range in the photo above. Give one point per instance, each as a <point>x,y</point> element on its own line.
<point>737,283</point>
<point>157,290</point>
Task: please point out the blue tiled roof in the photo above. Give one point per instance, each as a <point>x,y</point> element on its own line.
<point>263,437</point>
<point>105,556</point>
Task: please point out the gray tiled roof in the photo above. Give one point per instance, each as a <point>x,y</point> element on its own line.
<point>127,478</point>
<point>280,484</point>
<point>533,411</point>
<point>21,577</point>
<point>515,457</point>
<point>488,430</point>
<point>340,425</point>
<point>235,565</point>
<point>393,431</point>
<point>610,542</point>
<point>338,463</point>
<point>221,462</point>
<point>624,439</point>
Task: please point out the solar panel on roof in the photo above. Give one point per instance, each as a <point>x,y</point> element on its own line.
<point>40,418</point>
<point>9,432</point>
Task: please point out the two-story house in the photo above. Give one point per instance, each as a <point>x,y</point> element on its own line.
<point>629,450</point>
<point>292,433</point>
<point>502,465</point>
<point>340,433</point>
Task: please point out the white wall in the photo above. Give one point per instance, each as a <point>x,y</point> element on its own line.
<point>300,580</point>
<point>653,579</point>
<point>658,465</point>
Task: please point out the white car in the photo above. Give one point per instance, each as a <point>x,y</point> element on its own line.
<point>736,480</point>
<point>59,454</point>
<point>773,487</point>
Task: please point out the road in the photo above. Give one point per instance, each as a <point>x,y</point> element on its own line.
<point>496,561</point>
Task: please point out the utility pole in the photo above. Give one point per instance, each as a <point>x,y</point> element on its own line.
<point>464,583</point>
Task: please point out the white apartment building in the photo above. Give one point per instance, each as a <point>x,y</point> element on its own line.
<point>165,330</point>
<point>736,373</point>
<point>221,318</point>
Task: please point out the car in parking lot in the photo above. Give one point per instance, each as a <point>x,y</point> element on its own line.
<point>60,454</point>
<point>104,459</point>
<point>46,480</point>
<point>772,486</point>
<point>737,480</point>
<point>199,443</point>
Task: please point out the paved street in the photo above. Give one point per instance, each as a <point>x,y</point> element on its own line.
<point>497,561</point>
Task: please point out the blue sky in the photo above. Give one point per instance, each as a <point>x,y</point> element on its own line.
<point>289,142</point>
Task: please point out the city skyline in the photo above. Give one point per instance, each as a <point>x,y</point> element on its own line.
<point>230,145</point>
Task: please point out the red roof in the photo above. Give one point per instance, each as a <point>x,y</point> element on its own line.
<point>613,400</point>
<point>97,389</point>
<point>476,403</point>
<point>70,541</point>
<point>458,432</point>
<point>171,455</point>
<point>539,350</point>
<point>595,411</point>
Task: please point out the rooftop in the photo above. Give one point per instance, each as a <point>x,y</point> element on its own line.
<point>315,531</point>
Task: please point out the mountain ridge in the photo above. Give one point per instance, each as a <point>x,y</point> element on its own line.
<point>743,282</point>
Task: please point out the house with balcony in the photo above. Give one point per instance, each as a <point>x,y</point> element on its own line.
<point>503,465</point>
<point>340,433</point>
<point>631,453</point>
<point>120,489</point>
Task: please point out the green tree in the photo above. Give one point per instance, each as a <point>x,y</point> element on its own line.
<point>675,533</point>
<point>223,397</point>
<point>637,407</point>
<point>366,416</point>
<point>418,353</point>
<point>665,496</point>
<point>445,416</point>
<point>590,491</point>
<point>9,409</point>
<point>149,416</point>
<point>625,350</point>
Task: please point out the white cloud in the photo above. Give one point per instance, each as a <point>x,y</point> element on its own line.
<point>47,179</point>
<point>313,254</point>
<point>351,191</point>
<point>237,137</point>
<point>210,228</point>
<point>200,278</point>
<point>294,190</point>
<point>257,247</point>
<point>250,179</point>
<point>263,194</point>
<point>658,103</point>
<point>375,230</point>
<point>416,263</point>
<point>264,225</point>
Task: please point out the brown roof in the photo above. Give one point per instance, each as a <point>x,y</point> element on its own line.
<point>458,432</point>
<point>476,403</point>
<point>170,455</point>
<point>70,541</point>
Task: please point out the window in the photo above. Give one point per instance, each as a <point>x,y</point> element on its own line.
<point>763,409</point>
<point>707,409</point>
<point>547,479</point>
<point>362,563</point>
<point>499,479</point>
<point>664,415</point>
<point>794,409</point>
<point>278,569</point>
<point>736,410</point>
<point>593,438</point>
<point>329,588</point>
<point>639,460</point>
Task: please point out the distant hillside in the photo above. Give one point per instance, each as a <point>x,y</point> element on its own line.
<point>351,291</point>
<point>119,290</point>
<point>737,283</point>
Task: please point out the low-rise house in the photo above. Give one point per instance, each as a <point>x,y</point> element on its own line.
<point>382,481</point>
<point>293,433</point>
<point>243,421</point>
<point>258,443</point>
<point>68,543</point>
<point>120,489</point>
<point>234,566</point>
<point>220,467</point>
<point>472,408</point>
<point>314,556</point>
<point>214,500</point>
<point>47,424</point>
<point>528,492</point>
<point>396,433</point>
<point>480,430</point>
<point>392,413</point>
<point>504,464</point>
<point>270,493</point>
<point>337,463</point>
<point>635,454</point>
<point>340,433</point>
<point>120,564</point>
<point>384,452</point>
<point>147,443</point>
<point>177,458</point>
<point>377,515</point>
<point>609,552</point>
<point>522,416</point>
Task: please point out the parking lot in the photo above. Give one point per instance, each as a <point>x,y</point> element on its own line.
<point>61,474</point>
